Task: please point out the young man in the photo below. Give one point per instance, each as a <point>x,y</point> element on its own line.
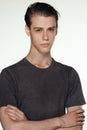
<point>35,92</point>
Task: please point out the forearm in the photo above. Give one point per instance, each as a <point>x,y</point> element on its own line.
<point>49,124</point>
<point>9,124</point>
<point>72,128</point>
<point>10,121</point>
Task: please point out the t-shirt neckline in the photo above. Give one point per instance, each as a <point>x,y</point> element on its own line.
<point>37,68</point>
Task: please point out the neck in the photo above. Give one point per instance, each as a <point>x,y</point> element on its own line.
<point>40,61</point>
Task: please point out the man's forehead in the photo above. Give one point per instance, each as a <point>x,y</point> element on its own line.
<point>42,20</point>
<point>42,17</point>
<point>41,27</point>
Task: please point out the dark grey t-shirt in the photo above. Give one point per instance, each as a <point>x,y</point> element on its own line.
<point>40,93</point>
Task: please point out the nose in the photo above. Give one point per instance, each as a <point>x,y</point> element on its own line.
<point>45,35</point>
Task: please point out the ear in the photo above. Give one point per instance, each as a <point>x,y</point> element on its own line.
<point>27,30</point>
<point>56,30</point>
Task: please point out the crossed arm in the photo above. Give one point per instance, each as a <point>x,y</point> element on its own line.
<point>14,119</point>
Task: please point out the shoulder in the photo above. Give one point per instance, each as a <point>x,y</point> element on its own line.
<point>63,66</point>
<point>71,71</point>
<point>13,68</point>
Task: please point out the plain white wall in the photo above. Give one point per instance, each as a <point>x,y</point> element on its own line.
<point>70,45</point>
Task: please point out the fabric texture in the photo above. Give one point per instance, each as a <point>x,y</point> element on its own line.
<point>40,93</point>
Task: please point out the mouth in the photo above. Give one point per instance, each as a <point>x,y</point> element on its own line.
<point>45,45</point>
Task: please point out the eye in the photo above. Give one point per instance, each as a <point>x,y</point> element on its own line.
<point>52,29</point>
<point>38,30</point>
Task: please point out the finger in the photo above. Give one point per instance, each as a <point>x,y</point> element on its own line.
<point>9,110</point>
<point>81,115</point>
<point>13,112</point>
<point>12,116</point>
<point>11,106</point>
<point>15,116</point>
<point>81,119</point>
<point>80,111</point>
<point>18,113</point>
<point>15,109</point>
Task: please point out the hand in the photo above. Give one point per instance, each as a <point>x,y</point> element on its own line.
<point>14,113</point>
<point>74,118</point>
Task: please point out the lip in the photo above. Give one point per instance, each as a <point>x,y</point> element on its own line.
<point>45,45</point>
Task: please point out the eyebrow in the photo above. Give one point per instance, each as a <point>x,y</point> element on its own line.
<point>42,27</point>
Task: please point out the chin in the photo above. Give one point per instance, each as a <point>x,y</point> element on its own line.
<point>45,52</point>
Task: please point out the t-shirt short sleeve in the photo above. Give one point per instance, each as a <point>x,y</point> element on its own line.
<point>75,94</point>
<point>7,89</point>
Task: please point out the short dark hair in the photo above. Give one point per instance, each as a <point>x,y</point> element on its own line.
<point>41,9</point>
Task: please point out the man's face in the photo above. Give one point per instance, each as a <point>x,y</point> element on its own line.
<point>42,33</point>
